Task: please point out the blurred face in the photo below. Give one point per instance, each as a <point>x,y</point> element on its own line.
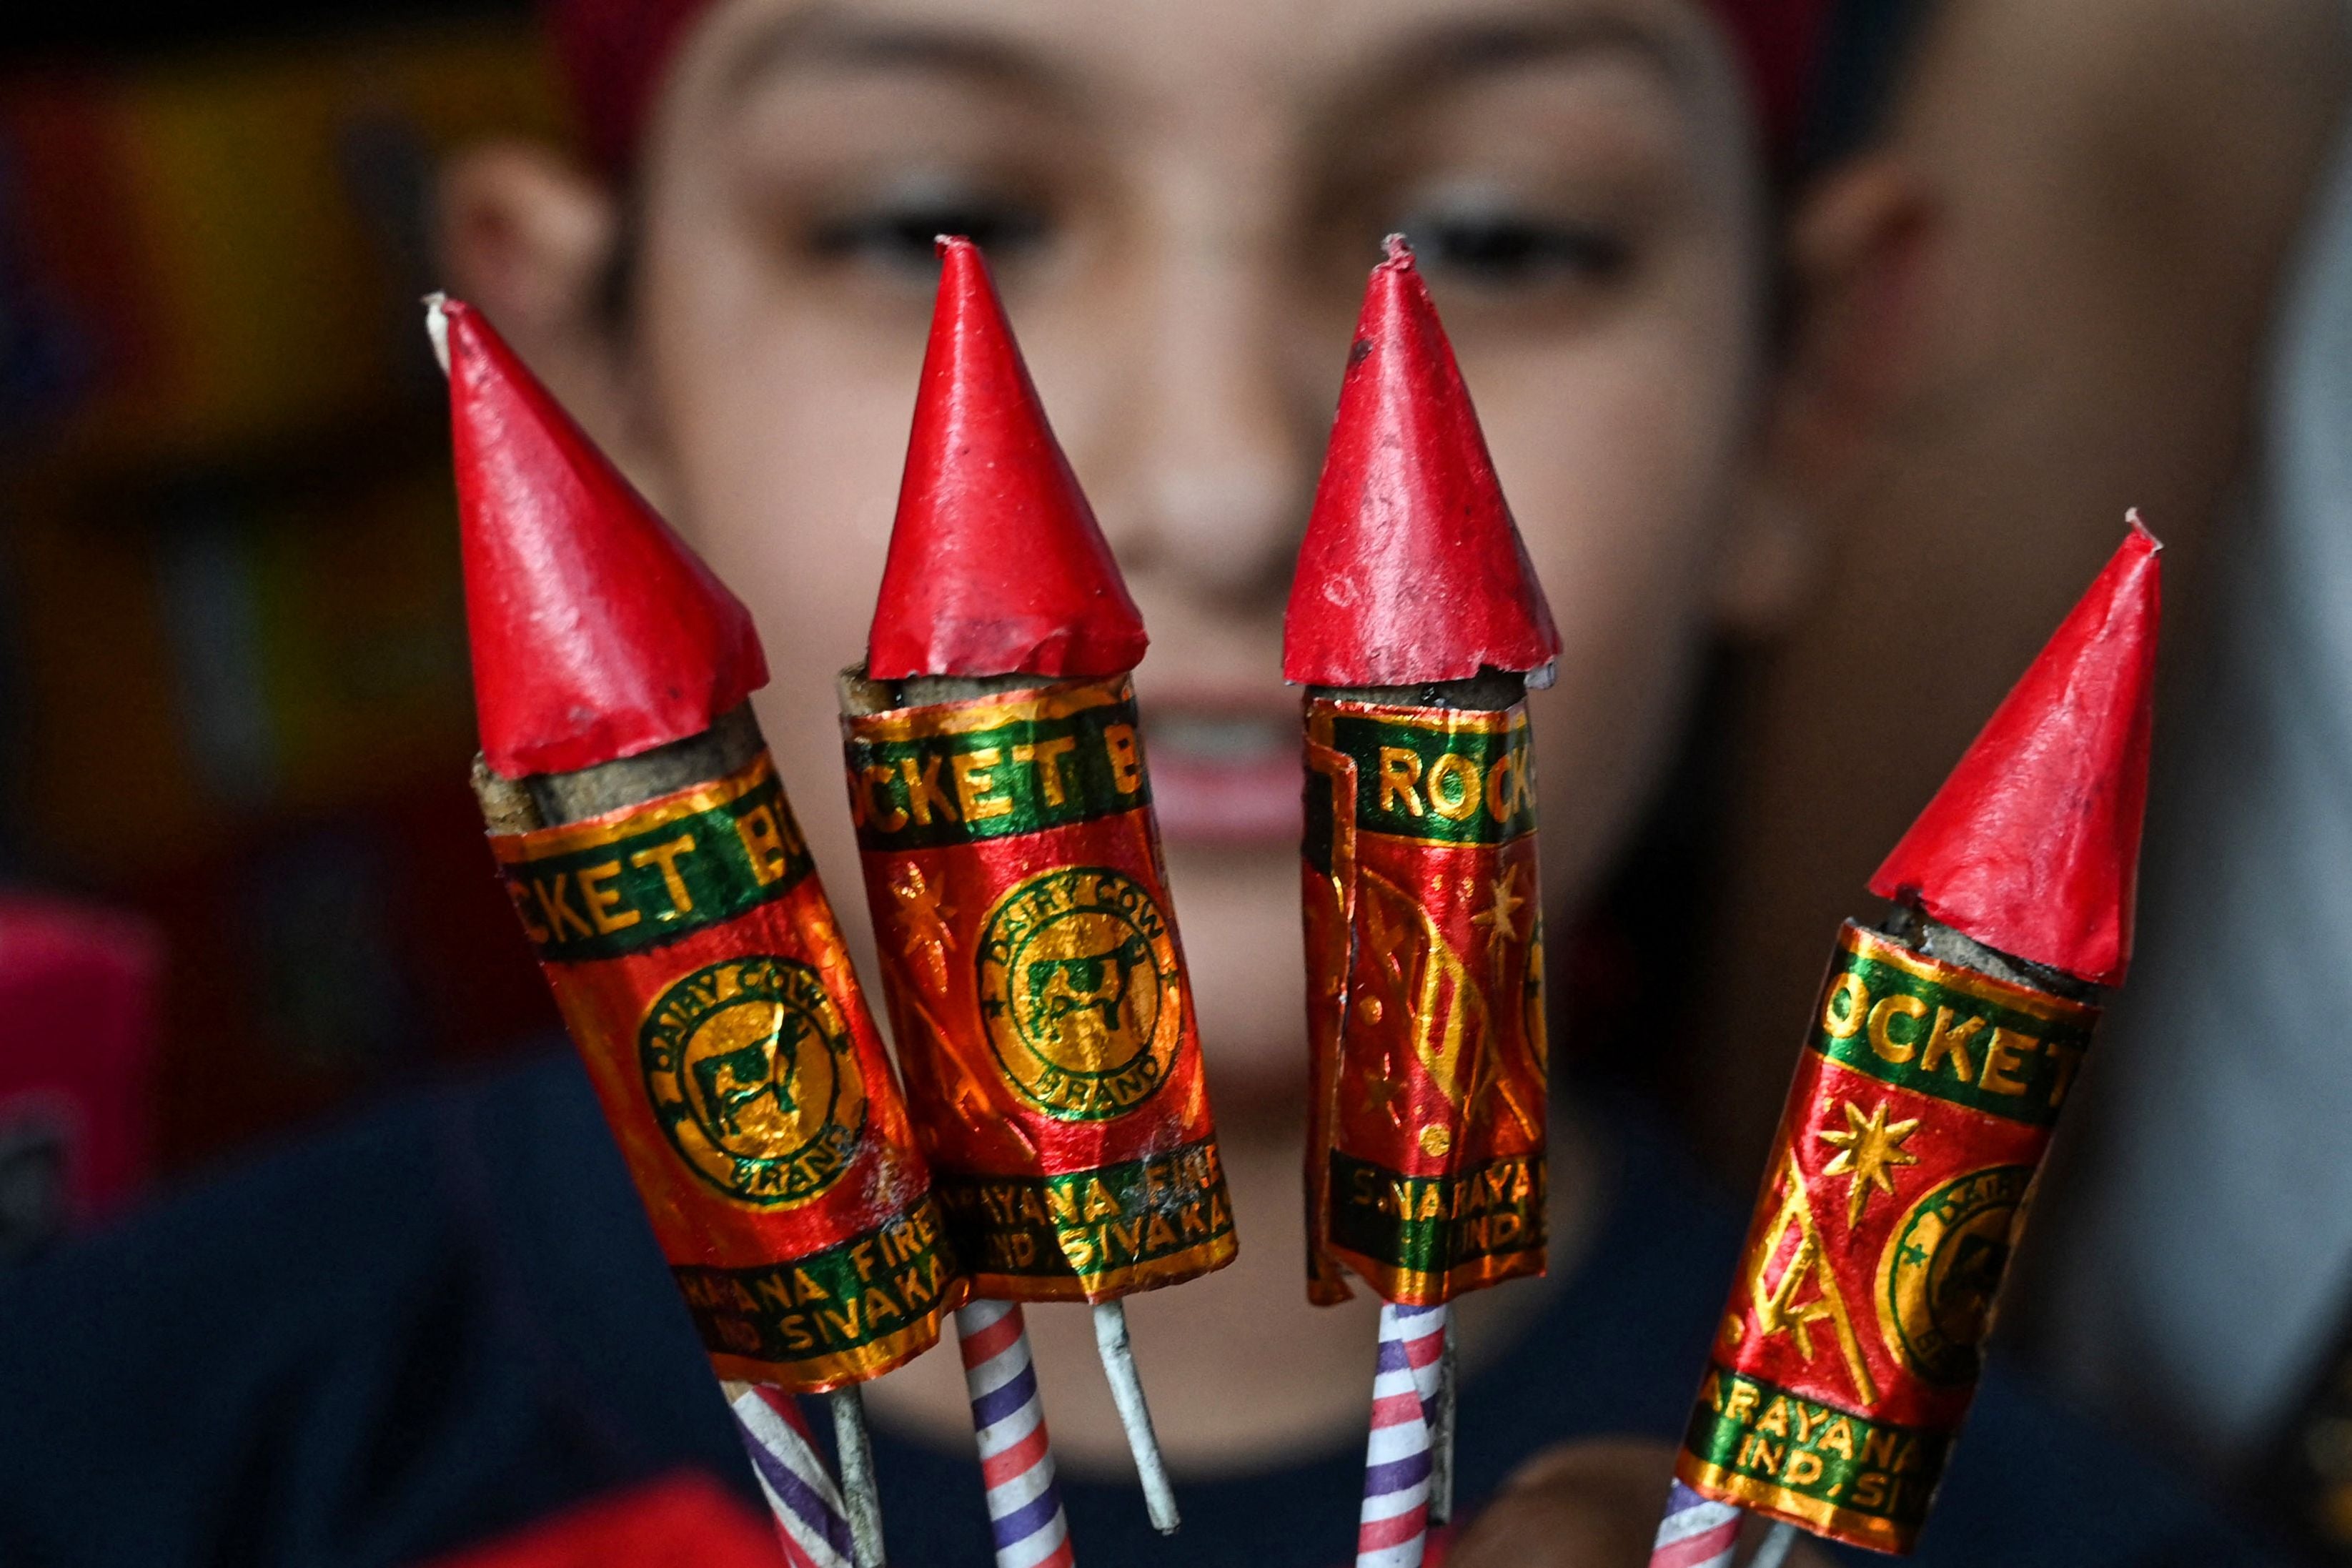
<point>1180,203</point>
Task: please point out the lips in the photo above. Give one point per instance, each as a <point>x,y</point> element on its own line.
<point>1224,774</point>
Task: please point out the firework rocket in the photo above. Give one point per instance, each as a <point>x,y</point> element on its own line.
<point>1936,1066</point>
<point>653,859</point>
<point>1416,624</point>
<point>1012,868</point>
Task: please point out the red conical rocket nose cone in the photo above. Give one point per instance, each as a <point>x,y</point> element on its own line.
<point>2032,845</point>
<point>596,633</point>
<point>996,565</point>
<point>1411,568</point>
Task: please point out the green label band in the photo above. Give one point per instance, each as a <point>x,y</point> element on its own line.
<point>1936,1036</point>
<point>1432,1225</point>
<point>1441,784</point>
<point>832,1303</point>
<point>604,891</point>
<point>1022,776</point>
<point>1752,1433</point>
<point>1118,1219</point>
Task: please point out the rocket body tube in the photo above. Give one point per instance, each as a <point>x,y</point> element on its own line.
<point>700,970</point>
<point>1424,940</point>
<point>1898,1183</point>
<point>1012,868</point>
<point>1037,988</point>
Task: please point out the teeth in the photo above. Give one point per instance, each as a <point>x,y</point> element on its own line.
<point>1221,737</point>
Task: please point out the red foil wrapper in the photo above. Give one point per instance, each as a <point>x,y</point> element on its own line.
<point>1037,987</point>
<point>704,981</point>
<point>1424,952</point>
<point>1899,1182</point>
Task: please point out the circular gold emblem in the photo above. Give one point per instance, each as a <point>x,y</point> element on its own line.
<point>1082,993</point>
<point>1943,1269</point>
<point>750,1068</point>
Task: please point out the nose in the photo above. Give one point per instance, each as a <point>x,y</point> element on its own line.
<point>1208,454</point>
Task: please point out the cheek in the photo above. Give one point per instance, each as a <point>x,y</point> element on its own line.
<point>784,425</point>
<point>1619,457</point>
<point>784,441</point>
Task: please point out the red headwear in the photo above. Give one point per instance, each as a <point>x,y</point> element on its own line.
<point>596,634</point>
<point>996,565</point>
<point>616,51</point>
<point>1781,43</point>
<point>1411,568</point>
<point>2032,845</point>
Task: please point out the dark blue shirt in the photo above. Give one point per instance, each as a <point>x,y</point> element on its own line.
<point>447,1319</point>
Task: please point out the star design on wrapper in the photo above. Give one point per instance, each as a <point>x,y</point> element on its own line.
<point>1486,1077</point>
<point>1501,917</point>
<point>1382,1091</point>
<point>1385,937</point>
<point>923,909</point>
<point>1868,1151</point>
<point>923,916</point>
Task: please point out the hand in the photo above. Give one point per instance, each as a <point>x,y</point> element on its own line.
<point>1590,1504</point>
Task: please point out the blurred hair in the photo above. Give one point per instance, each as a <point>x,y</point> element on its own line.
<point>613,54</point>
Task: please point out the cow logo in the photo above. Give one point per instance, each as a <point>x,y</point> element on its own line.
<point>1943,1268</point>
<point>1082,992</point>
<point>751,1069</point>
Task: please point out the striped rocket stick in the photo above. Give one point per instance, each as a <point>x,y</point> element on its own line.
<point>1008,1421</point>
<point>810,1524</point>
<point>1697,1532</point>
<point>1392,1530</point>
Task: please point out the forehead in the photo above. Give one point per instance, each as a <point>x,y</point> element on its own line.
<point>1193,55</point>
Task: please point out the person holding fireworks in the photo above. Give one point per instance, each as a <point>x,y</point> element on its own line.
<point>733,296</point>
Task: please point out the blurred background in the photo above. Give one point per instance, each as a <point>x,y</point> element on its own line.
<point>232,682</point>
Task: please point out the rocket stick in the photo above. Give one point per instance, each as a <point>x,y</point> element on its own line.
<point>1440,1428</point>
<point>812,1524</point>
<point>1774,1548</point>
<point>1392,1530</point>
<point>856,1450</point>
<point>1008,1420</point>
<point>1696,1532</point>
<point>1118,1357</point>
<point>1938,1057</point>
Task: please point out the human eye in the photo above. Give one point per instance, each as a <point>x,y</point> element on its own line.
<point>892,228</point>
<point>1495,240</point>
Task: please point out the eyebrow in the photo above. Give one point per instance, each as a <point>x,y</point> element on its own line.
<point>1454,52</point>
<point>825,35</point>
<point>1448,53</point>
